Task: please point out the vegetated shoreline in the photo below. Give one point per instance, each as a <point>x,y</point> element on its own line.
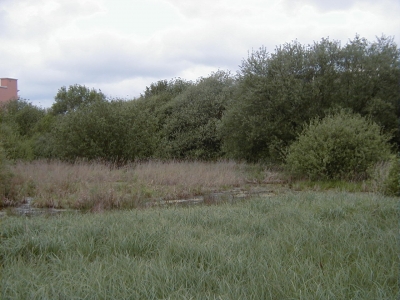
<point>98,186</point>
<point>316,240</point>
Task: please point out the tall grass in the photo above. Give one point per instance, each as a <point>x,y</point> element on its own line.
<point>292,246</point>
<point>386,176</point>
<point>100,186</point>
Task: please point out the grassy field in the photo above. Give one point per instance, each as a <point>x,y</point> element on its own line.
<point>305,245</point>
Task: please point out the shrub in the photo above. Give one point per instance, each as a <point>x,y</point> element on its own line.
<point>115,131</point>
<point>393,181</point>
<point>340,146</point>
<point>386,176</point>
<point>5,177</point>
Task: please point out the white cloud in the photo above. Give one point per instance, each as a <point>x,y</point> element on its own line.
<point>36,20</point>
<point>120,46</point>
<point>385,6</point>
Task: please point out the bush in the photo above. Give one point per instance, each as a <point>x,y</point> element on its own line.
<point>340,146</point>
<point>393,180</point>
<point>386,176</point>
<point>115,131</point>
<point>5,177</point>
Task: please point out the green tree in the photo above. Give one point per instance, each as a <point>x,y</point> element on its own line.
<point>19,120</point>
<point>265,113</point>
<point>115,131</point>
<point>22,114</point>
<point>157,98</point>
<point>322,74</point>
<point>190,126</point>
<point>5,177</point>
<point>278,92</point>
<point>68,100</point>
<point>43,140</point>
<point>370,81</point>
<point>241,128</point>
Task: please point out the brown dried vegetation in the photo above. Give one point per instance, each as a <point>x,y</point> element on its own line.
<point>99,186</point>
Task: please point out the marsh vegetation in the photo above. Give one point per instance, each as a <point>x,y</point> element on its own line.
<point>308,245</point>
<point>308,136</point>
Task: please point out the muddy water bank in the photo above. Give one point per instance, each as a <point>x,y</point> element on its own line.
<point>28,209</point>
<point>231,196</point>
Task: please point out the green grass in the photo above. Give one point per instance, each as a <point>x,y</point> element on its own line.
<point>306,245</point>
<point>325,185</point>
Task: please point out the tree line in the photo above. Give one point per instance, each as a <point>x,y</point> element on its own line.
<point>254,115</point>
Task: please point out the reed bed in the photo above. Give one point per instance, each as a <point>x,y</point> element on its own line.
<point>99,185</point>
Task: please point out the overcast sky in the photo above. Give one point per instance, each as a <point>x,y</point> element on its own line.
<point>122,46</point>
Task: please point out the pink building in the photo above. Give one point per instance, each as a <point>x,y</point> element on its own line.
<point>8,89</point>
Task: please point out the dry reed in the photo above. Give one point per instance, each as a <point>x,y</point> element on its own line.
<point>98,185</point>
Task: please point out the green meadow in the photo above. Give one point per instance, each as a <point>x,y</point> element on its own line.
<point>295,245</point>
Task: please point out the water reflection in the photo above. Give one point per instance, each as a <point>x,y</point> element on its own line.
<point>27,209</point>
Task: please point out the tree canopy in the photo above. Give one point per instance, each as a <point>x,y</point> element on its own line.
<point>254,115</point>
<point>68,100</point>
<point>279,92</point>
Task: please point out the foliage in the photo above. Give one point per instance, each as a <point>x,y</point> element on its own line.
<point>369,81</point>
<point>340,146</point>
<point>156,102</point>
<point>386,176</point>
<point>23,115</point>
<point>392,187</point>
<point>116,131</point>
<point>23,129</point>
<point>18,120</point>
<point>190,129</point>
<point>242,128</point>
<point>15,145</point>
<point>166,89</point>
<point>77,95</point>
<point>278,92</point>
<point>5,177</point>
<point>43,141</point>
<point>254,116</point>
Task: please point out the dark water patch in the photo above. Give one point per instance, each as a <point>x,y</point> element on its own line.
<point>27,209</point>
<point>230,196</point>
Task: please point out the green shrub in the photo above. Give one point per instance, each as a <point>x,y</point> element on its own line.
<point>340,146</point>
<point>386,176</point>
<point>393,183</point>
<point>5,177</point>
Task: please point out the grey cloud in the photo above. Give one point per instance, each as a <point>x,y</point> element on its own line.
<point>104,62</point>
<point>105,57</point>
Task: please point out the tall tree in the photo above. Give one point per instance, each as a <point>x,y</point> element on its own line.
<point>190,128</point>
<point>18,128</point>
<point>115,131</point>
<point>70,99</point>
<point>279,92</point>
